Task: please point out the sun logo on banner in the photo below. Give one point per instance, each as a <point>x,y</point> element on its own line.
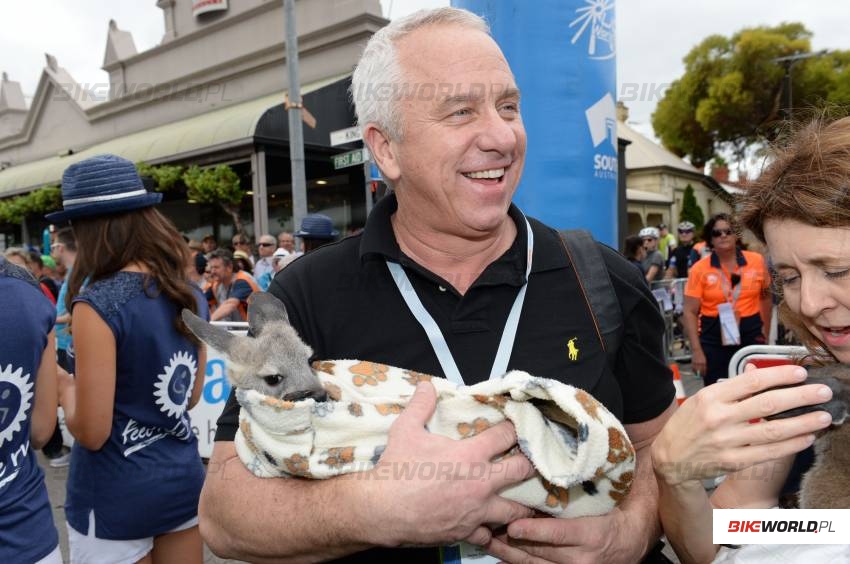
<point>174,385</point>
<point>15,400</point>
<point>598,15</point>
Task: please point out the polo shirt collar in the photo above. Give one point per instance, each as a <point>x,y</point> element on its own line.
<point>379,240</point>
<point>739,258</point>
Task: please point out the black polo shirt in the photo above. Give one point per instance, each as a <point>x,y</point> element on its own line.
<point>343,302</point>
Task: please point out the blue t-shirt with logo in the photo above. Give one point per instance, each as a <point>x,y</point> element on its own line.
<point>63,331</point>
<point>146,479</point>
<point>27,533</point>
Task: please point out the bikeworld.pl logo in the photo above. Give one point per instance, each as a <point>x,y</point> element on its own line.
<point>776,526</point>
<point>781,526</point>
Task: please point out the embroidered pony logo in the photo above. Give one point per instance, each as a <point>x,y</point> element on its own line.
<point>572,348</point>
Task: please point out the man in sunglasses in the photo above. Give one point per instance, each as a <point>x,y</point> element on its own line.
<point>653,264</point>
<point>681,258</point>
<point>266,246</point>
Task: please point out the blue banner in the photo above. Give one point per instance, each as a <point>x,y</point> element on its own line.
<point>563,55</point>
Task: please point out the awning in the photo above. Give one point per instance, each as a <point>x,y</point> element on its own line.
<point>633,195</point>
<point>217,129</point>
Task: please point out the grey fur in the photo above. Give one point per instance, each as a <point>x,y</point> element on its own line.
<point>274,361</point>
<point>827,484</point>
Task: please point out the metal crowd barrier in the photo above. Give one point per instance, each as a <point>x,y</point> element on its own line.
<point>764,356</point>
<point>670,295</point>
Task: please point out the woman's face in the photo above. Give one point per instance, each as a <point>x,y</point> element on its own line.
<point>813,264</point>
<point>723,238</point>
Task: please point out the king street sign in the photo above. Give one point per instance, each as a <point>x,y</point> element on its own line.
<point>351,158</point>
<point>347,135</point>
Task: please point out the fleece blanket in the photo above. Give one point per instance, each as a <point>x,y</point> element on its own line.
<point>583,456</point>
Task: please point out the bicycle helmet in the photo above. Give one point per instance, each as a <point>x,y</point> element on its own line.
<point>686,226</point>
<point>648,232</point>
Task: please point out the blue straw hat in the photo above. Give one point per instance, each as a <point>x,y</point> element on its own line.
<point>101,185</point>
<point>317,226</point>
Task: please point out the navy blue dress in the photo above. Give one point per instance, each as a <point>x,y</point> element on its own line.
<point>146,479</point>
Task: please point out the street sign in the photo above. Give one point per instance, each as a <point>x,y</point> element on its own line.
<point>347,135</point>
<point>351,158</point>
<point>374,173</point>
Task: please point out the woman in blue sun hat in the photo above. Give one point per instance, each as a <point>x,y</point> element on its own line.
<point>135,475</point>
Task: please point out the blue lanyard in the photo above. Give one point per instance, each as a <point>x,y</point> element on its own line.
<point>438,341</point>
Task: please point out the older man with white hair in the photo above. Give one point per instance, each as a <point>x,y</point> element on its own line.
<point>439,109</point>
<point>263,266</point>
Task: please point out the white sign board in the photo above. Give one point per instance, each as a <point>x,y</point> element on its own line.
<point>203,6</point>
<point>347,135</point>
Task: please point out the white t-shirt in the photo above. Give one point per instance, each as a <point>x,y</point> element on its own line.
<point>782,553</point>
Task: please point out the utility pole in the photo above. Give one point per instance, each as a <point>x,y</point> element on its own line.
<point>788,62</point>
<point>294,108</point>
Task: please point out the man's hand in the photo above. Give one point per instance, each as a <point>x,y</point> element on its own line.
<point>607,538</point>
<point>432,490</point>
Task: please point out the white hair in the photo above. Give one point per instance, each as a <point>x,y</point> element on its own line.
<point>377,82</point>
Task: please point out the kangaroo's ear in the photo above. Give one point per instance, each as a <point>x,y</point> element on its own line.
<point>264,308</point>
<point>218,338</point>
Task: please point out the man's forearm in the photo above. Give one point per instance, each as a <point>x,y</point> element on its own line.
<point>224,310</point>
<point>281,520</point>
<point>641,504</point>
<point>687,517</point>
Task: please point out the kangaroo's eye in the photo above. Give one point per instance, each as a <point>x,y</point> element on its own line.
<point>273,380</point>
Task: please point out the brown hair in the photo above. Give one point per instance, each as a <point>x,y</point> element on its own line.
<point>808,181</point>
<point>106,244</point>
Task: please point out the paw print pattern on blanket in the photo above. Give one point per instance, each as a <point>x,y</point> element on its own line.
<point>298,465</point>
<point>326,366</point>
<point>556,496</point>
<point>368,373</point>
<point>590,405</point>
<point>278,404</point>
<point>492,401</point>
<point>355,409</point>
<point>619,447</point>
<point>389,408</point>
<point>621,487</point>
<point>414,378</point>
<point>467,430</point>
<point>339,456</point>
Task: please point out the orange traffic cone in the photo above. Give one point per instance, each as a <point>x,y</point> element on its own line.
<point>677,383</point>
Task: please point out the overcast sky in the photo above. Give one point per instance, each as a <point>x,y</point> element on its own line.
<point>653,35</point>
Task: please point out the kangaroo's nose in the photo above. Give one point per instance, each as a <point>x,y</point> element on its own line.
<point>319,395</point>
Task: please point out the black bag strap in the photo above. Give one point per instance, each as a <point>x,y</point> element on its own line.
<point>595,283</point>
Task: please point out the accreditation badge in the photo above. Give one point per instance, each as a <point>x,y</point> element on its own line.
<point>465,553</point>
<point>730,333</point>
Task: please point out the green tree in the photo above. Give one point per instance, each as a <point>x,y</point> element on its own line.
<point>730,95</point>
<point>219,185</point>
<point>690,209</point>
<point>165,177</point>
<point>38,202</point>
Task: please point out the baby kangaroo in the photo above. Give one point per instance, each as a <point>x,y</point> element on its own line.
<point>827,484</point>
<point>275,361</point>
